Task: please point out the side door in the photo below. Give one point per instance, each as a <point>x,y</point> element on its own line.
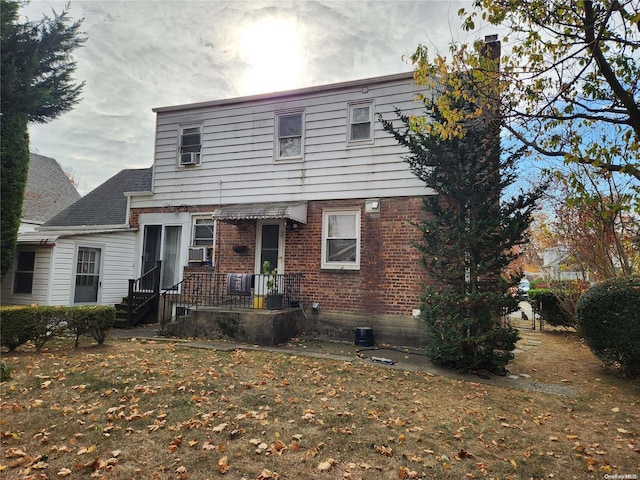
<point>87,276</point>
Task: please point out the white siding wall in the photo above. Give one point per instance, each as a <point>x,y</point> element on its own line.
<point>40,281</point>
<point>238,151</point>
<point>117,264</point>
<point>54,275</point>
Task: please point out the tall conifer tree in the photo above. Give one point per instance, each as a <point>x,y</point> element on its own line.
<point>37,86</point>
<point>469,237</point>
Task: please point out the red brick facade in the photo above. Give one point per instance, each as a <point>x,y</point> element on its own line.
<point>390,276</point>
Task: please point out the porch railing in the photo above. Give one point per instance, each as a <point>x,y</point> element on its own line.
<point>144,294</point>
<point>233,291</point>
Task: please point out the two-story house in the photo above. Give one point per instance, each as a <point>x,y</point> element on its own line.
<point>306,179</point>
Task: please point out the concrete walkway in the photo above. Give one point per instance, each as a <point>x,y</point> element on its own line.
<point>387,356</point>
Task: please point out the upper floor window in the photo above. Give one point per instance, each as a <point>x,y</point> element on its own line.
<point>203,231</point>
<point>360,122</point>
<point>341,239</point>
<point>25,266</point>
<point>290,133</point>
<point>190,144</point>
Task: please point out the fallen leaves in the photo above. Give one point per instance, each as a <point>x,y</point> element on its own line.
<point>235,414</point>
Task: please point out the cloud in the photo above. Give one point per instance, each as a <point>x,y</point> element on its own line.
<point>145,54</point>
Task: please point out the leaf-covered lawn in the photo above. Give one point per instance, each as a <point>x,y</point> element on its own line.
<point>160,410</point>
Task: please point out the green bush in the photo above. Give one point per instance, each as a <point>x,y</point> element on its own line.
<point>48,322</point>
<point>103,319</point>
<point>91,320</point>
<point>608,317</point>
<point>16,327</point>
<point>5,371</point>
<point>555,301</point>
<point>465,332</point>
<point>547,304</point>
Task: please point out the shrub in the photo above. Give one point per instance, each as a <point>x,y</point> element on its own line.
<point>5,371</point>
<point>103,319</point>
<point>608,317</point>
<point>555,302</point>
<point>464,331</point>
<point>16,327</point>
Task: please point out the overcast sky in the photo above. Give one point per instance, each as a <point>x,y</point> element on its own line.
<point>145,54</point>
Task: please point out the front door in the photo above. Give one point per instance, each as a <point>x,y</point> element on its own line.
<point>270,245</point>
<point>87,275</point>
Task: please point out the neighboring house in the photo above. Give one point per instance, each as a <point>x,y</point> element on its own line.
<point>306,179</point>
<point>84,254</point>
<point>558,264</point>
<point>48,191</point>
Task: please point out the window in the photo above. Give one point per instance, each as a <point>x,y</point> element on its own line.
<point>25,265</point>
<point>190,145</point>
<point>360,122</point>
<point>341,239</point>
<point>203,231</point>
<point>289,135</point>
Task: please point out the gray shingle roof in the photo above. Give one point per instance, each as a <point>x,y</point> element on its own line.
<point>107,204</point>
<point>48,190</point>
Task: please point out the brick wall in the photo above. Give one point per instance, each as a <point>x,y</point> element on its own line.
<point>390,275</point>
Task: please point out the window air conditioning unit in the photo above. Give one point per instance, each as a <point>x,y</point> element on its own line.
<point>191,158</point>
<point>198,254</point>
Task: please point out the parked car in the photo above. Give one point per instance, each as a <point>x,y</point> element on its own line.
<point>523,288</point>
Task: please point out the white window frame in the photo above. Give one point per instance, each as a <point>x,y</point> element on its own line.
<point>334,265</point>
<point>180,146</point>
<point>194,222</point>
<point>279,115</point>
<point>350,122</point>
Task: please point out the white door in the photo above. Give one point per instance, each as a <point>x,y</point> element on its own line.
<point>87,275</point>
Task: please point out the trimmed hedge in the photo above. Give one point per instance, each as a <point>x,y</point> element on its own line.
<point>20,324</point>
<point>555,302</point>
<point>608,316</point>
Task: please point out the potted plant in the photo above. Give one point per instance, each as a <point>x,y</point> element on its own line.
<point>274,298</point>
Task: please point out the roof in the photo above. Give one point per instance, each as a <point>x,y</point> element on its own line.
<point>48,190</point>
<point>107,204</point>
<point>301,91</point>
<point>48,238</point>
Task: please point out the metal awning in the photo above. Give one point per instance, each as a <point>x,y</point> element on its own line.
<point>296,212</point>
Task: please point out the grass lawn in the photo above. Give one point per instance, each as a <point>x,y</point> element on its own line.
<point>160,410</point>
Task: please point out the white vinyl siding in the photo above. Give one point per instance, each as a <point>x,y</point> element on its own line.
<point>39,292</point>
<point>239,139</point>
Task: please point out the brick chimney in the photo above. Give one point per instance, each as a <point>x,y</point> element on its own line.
<point>492,47</point>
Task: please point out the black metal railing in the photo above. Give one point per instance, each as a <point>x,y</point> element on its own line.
<point>144,294</point>
<point>229,290</point>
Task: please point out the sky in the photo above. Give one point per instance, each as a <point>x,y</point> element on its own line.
<point>145,54</point>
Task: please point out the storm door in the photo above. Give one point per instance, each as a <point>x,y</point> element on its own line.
<point>161,243</point>
<point>87,275</point>
<point>270,240</point>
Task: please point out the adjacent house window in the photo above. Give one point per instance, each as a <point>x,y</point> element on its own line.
<point>341,239</point>
<point>190,145</point>
<point>289,132</point>
<point>360,122</point>
<point>23,279</point>
<point>203,231</point>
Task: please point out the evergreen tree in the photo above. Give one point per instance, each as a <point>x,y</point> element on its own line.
<point>469,237</point>
<point>36,87</point>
